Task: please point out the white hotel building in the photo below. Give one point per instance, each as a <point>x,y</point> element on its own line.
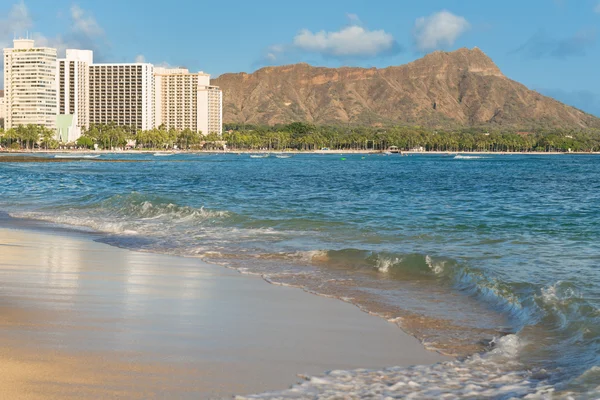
<point>122,94</point>
<point>30,90</point>
<point>72,93</point>
<point>185,100</point>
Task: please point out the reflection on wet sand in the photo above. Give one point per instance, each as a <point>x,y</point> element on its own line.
<point>148,323</point>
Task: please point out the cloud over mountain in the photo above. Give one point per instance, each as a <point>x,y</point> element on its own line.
<point>353,41</point>
<point>438,30</point>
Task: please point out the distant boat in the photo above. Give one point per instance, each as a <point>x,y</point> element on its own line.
<point>76,156</point>
<point>159,154</point>
<point>259,155</point>
<point>283,156</point>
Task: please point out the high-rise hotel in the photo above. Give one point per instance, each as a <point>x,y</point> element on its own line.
<point>30,90</point>
<point>122,94</point>
<point>186,100</point>
<point>210,107</point>
<point>72,93</point>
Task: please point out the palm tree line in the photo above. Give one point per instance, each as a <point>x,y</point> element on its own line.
<point>301,136</point>
<point>307,137</point>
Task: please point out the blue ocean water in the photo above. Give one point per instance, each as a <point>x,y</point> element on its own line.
<point>491,258</point>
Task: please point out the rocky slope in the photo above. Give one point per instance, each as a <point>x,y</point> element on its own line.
<point>463,87</point>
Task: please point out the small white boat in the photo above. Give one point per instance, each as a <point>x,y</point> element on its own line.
<point>162,154</point>
<point>283,156</point>
<point>259,155</point>
<point>75,156</point>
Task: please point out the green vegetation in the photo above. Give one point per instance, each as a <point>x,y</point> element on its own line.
<point>106,137</point>
<point>28,137</point>
<point>112,136</point>
<point>301,136</point>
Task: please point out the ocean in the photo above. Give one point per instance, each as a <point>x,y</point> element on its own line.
<point>493,259</point>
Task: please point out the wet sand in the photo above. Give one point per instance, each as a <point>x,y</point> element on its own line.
<point>81,319</point>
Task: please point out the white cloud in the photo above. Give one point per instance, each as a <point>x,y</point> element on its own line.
<point>83,32</point>
<point>353,18</point>
<point>140,58</point>
<point>17,22</point>
<point>277,48</point>
<point>352,41</point>
<point>85,24</point>
<point>438,30</point>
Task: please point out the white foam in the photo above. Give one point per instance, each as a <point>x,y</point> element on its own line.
<point>461,157</point>
<point>436,268</point>
<point>384,264</point>
<point>491,375</point>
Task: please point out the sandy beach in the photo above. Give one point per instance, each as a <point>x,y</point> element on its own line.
<point>82,319</point>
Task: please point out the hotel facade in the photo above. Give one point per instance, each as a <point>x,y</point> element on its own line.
<point>72,93</point>
<point>30,89</point>
<point>186,100</point>
<point>122,94</point>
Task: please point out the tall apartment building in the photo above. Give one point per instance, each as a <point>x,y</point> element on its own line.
<point>122,94</point>
<point>73,94</point>
<point>186,100</point>
<point>30,85</point>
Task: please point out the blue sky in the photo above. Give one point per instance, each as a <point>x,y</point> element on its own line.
<point>548,45</point>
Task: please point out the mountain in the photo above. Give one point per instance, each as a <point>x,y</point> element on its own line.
<point>463,88</point>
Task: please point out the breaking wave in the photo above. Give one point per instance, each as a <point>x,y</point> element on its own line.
<point>514,339</point>
<point>461,157</point>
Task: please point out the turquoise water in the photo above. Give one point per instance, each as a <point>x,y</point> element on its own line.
<point>493,258</point>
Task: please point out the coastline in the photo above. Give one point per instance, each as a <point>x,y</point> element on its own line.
<point>333,152</point>
<point>120,323</point>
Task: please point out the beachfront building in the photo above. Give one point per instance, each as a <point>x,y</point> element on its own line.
<point>186,100</point>
<point>30,90</point>
<point>122,94</point>
<point>73,94</point>
<point>210,107</point>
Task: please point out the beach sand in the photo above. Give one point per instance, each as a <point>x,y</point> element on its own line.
<point>82,319</point>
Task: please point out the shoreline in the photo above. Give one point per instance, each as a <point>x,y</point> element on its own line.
<point>334,152</point>
<point>58,285</point>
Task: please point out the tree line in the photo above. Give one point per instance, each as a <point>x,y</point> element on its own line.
<point>106,137</point>
<point>112,136</point>
<point>302,136</point>
<point>28,137</point>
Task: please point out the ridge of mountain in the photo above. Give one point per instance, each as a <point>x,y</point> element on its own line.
<point>464,87</point>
